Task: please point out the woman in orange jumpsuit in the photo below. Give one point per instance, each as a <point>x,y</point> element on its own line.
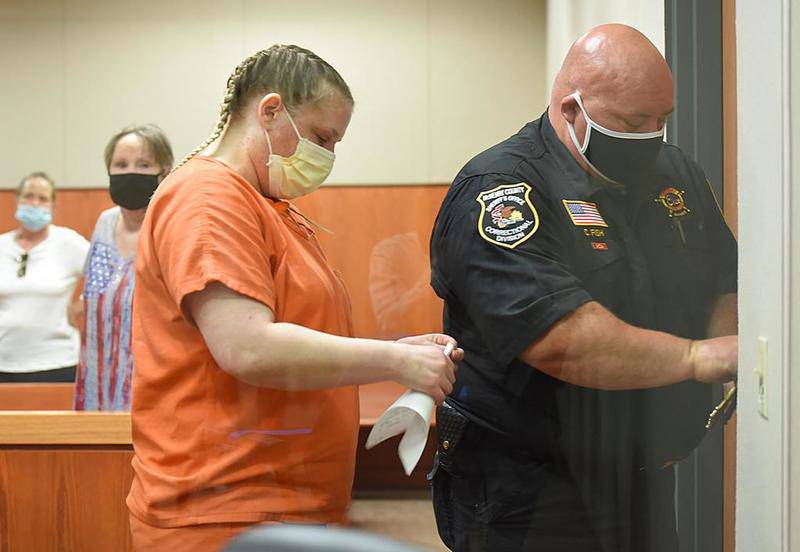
<point>245,405</point>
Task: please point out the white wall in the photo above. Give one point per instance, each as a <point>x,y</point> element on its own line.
<point>567,20</point>
<point>768,240</point>
<point>435,81</point>
<point>794,389</point>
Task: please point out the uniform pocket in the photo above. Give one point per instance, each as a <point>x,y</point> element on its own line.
<point>684,263</point>
<point>684,232</point>
<point>602,272</point>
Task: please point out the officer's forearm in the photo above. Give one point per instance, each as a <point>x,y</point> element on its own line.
<point>593,348</point>
<point>724,319</point>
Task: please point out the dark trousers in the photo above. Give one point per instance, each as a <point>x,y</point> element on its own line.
<point>495,498</point>
<point>59,375</point>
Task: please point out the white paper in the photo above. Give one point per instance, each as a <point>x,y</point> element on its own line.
<point>410,414</point>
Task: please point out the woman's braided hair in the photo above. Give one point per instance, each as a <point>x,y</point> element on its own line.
<point>298,75</point>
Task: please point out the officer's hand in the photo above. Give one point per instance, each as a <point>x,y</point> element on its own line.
<point>426,369</point>
<point>441,340</point>
<point>715,360</point>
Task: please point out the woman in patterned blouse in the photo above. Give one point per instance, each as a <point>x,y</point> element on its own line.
<point>137,159</point>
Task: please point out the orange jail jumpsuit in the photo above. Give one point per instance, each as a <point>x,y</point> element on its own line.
<point>210,450</point>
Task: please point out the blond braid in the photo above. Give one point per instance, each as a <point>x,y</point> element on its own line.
<point>298,75</point>
<point>227,102</point>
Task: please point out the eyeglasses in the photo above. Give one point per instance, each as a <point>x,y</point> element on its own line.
<point>22,269</point>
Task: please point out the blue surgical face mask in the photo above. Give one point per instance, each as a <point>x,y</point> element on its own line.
<point>32,217</point>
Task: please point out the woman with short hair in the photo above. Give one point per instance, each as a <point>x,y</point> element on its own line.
<point>137,159</point>
<point>40,265</point>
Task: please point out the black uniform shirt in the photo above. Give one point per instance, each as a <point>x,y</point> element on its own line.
<point>525,236</point>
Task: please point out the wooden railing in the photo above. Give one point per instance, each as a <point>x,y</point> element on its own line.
<point>59,427</point>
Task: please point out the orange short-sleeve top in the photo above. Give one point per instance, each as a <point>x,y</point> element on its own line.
<point>210,448</point>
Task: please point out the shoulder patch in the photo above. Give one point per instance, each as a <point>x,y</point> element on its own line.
<point>508,217</point>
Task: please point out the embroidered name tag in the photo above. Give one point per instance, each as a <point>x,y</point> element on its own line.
<point>508,218</point>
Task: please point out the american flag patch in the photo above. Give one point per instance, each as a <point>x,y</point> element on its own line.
<point>584,213</point>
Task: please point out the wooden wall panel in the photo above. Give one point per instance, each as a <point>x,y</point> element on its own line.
<point>52,500</point>
<point>729,138</point>
<point>379,243</point>
<point>36,396</point>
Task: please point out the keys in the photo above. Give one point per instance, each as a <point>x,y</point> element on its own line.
<point>723,410</point>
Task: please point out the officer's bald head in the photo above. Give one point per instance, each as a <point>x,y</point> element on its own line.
<point>623,79</point>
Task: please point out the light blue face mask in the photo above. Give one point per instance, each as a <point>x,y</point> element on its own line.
<point>32,217</point>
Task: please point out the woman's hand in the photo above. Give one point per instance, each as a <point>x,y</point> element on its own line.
<point>441,340</point>
<point>425,368</point>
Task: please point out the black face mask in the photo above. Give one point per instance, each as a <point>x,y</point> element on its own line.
<point>132,190</point>
<point>626,158</point>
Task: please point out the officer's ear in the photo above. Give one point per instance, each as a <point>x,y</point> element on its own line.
<point>569,108</point>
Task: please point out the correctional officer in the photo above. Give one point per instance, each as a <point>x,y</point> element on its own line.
<point>588,272</point>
